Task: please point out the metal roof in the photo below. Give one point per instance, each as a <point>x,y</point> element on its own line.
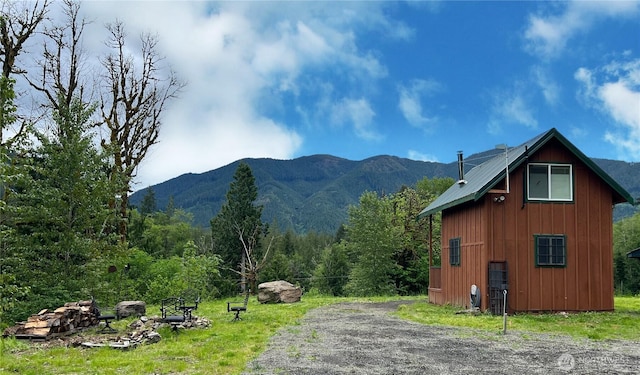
<point>487,175</point>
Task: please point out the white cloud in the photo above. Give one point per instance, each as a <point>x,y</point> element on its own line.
<point>578,132</point>
<point>240,138</point>
<point>622,103</point>
<point>239,59</point>
<point>547,35</point>
<point>410,101</point>
<point>550,89</point>
<point>509,108</point>
<point>614,89</point>
<point>359,113</point>
<point>586,90</point>
<point>417,155</point>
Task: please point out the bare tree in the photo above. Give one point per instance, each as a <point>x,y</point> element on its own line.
<point>61,58</point>
<point>60,78</point>
<point>18,22</point>
<point>136,95</point>
<point>251,264</point>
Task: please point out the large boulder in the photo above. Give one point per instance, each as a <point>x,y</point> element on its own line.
<point>278,291</point>
<point>126,309</point>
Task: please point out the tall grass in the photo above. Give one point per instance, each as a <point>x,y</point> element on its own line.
<point>226,347</point>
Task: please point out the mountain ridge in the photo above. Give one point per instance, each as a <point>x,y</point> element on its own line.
<point>313,193</point>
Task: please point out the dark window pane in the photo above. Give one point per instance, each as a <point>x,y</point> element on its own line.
<point>538,182</point>
<point>454,251</point>
<point>550,251</point>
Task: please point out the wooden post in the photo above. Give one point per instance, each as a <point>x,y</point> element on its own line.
<point>430,241</point>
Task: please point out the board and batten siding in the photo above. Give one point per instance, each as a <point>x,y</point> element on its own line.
<point>504,231</point>
<point>467,223</point>
<point>586,283</point>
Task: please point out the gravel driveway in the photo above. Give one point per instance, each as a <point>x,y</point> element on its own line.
<point>364,338</point>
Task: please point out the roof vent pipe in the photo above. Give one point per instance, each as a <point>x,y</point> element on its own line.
<point>461,180</point>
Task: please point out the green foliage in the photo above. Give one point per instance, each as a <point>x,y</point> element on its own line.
<point>7,105</point>
<point>293,258</point>
<point>139,275</point>
<point>387,245</point>
<point>148,204</point>
<point>199,272</point>
<point>306,257</point>
<point>331,275</point>
<point>626,237</point>
<point>168,277</point>
<point>373,239</point>
<point>159,234</point>
<point>278,268</point>
<point>10,293</point>
<point>57,211</point>
<point>10,289</point>
<point>430,189</point>
<point>239,216</point>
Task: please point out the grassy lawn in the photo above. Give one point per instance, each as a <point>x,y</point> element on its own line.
<point>226,347</point>
<point>623,324</point>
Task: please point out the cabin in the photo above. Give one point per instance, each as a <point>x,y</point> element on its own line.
<point>532,226</point>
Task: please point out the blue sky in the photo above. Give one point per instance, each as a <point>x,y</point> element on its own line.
<point>419,80</point>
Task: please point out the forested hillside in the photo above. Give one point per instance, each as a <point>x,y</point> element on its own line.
<point>312,193</point>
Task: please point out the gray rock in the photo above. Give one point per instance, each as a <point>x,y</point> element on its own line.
<point>278,291</point>
<point>125,309</point>
<point>153,337</point>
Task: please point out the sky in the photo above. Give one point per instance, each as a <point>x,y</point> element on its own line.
<point>356,79</point>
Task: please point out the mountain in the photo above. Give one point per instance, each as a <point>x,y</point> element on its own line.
<point>314,192</point>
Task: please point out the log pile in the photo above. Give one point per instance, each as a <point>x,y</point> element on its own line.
<point>65,320</point>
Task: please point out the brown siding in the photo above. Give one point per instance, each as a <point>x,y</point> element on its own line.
<point>586,283</point>
<point>492,231</point>
<point>469,225</point>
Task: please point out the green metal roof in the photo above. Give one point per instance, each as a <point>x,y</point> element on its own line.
<point>487,175</point>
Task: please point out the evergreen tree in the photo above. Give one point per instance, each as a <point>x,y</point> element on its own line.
<point>137,219</point>
<point>61,210</point>
<point>171,208</point>
<point>278,265</point>
<point>239,216</point>
<point>148,204</point>
<point>278,268</point>
<point>626,237</point>
<point>332,272</point>
<point>11,290</point>
<point>341,233</point>
<point>307,254</point>
<point>619,272</point>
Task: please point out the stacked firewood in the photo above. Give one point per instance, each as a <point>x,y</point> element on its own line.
<point>65,320</point>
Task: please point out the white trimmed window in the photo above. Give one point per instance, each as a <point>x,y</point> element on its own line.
<point>550,182</point>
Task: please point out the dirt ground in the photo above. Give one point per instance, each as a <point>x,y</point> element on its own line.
<point>363,338</point>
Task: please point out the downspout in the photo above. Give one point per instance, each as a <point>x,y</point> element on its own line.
<point>524,176</point>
